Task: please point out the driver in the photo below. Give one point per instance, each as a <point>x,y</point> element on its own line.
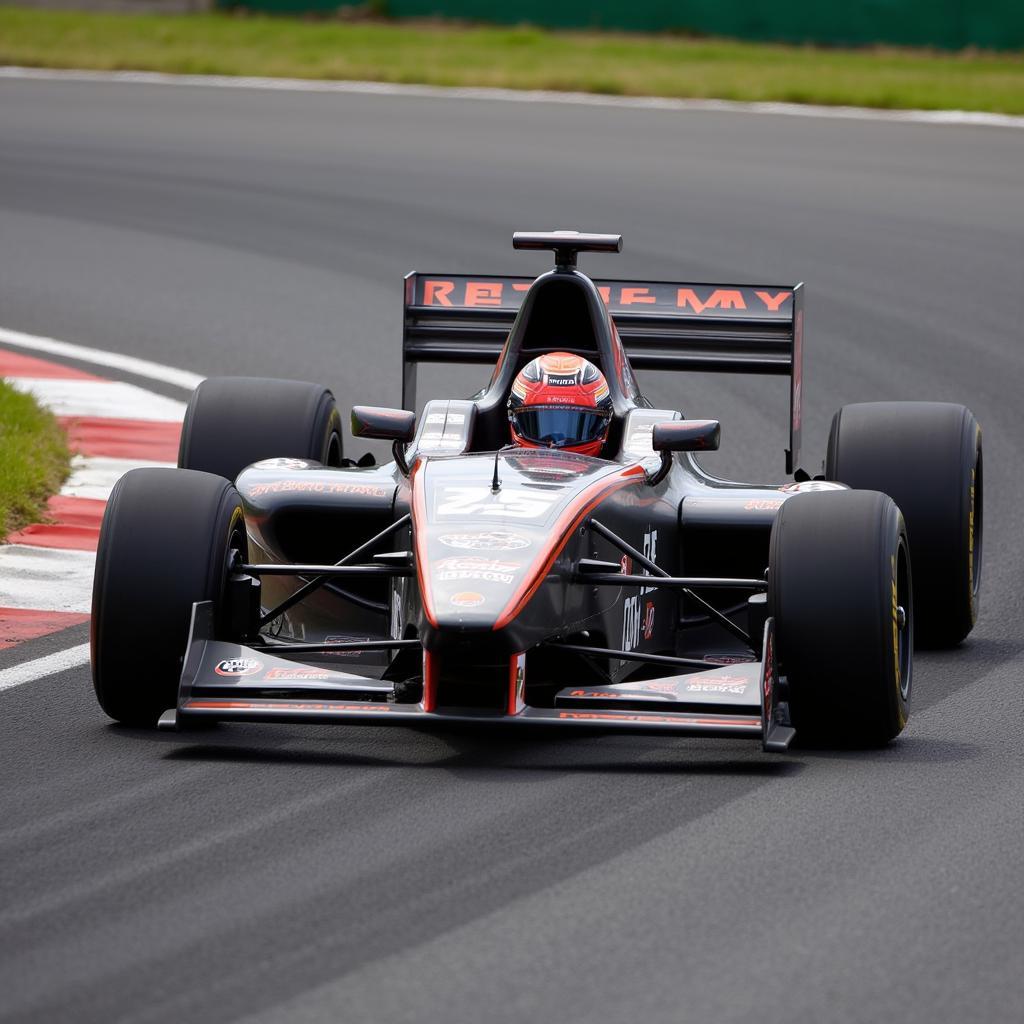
<point>560,401</point>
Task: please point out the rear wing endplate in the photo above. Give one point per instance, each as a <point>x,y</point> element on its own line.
<point>711,328</point>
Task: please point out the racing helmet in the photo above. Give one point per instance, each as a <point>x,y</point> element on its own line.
<point>560,401</point>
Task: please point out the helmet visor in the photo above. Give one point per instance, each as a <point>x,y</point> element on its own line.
<point>560,426</point>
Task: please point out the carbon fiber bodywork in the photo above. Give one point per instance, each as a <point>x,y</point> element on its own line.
<point>496,593</point>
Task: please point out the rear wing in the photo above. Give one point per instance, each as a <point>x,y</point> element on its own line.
<point>663,325</point>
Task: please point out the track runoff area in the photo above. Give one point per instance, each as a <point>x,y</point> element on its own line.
<point>46,569</point>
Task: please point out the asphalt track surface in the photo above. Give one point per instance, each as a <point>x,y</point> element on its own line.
<point>293,874</point>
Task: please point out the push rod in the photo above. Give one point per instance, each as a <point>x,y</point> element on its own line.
<point>307,588</point>
<point>656,570</point>
<point>354,645</point>
<point>653,659</point>
<point>327,571</point>
<point>612,579</point>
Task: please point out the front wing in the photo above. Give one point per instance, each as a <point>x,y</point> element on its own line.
<point>230,682</point>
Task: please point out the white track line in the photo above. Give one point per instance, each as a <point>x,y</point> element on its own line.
<point>99,357</point>
<point>936,117</point>
<point>66,396</point>
<point>94,476</point>
<point>50,665</point>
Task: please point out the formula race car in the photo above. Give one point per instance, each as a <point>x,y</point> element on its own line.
<point>271,579</point>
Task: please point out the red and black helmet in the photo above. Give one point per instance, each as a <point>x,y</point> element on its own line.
<point>560,401</point>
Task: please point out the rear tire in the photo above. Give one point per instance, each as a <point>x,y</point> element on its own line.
<point>232,422</point>
<point>165,543</point>
<point>927,457</point>
<point>839,568</point>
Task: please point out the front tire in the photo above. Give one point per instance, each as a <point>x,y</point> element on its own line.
<point>838,577</point>
<point>165,542</point>
<point>232,422</point>
<point>927,457</point>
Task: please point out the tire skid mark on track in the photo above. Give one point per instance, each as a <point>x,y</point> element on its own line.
<point>57,901</point>
<point>46,826</point>
<point>46,568</point>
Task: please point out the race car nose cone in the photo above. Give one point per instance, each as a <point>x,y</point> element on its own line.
<point>470,590</point>
<point>483,557</point>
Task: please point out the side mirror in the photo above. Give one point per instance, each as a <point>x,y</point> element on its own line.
<point>687,436</point>
<point>383,424</point>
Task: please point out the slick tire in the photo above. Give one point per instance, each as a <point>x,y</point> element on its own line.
<point>839,571</point>
<point>165,543</point>
<point>232,422</point>
<point>927,457</point>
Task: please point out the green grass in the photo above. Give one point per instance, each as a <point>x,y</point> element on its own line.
<point>517,58</point>
<point>34,459</point>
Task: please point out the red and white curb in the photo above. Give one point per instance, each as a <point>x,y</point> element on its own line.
<point>46,569</point>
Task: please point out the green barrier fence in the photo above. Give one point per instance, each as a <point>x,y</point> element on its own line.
<point>948,24</point>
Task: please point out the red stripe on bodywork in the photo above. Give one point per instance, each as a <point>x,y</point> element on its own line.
<point>280,705</point>
<point>76,525</point>
<point>723,721</point>
<point>152,440</point>
<point>515,692</point>
<point>572,515</point>
<point>14,364</point>
<point>431,671</point>
<point>20,624</point>
<point>419,535</point>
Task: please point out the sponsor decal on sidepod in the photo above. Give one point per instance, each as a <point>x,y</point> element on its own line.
<point>295,486</point>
